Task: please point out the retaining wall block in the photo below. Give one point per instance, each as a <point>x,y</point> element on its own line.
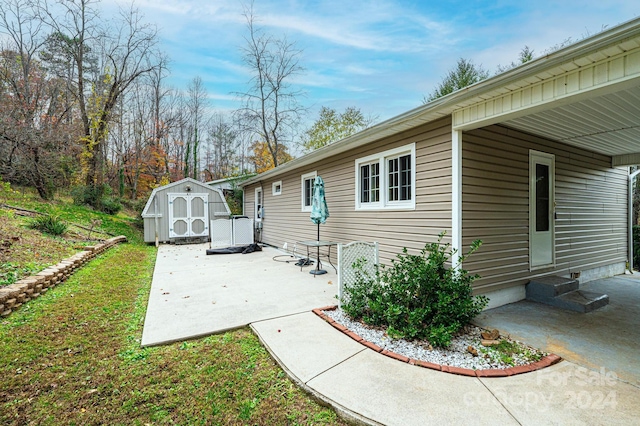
<point>5,294</point>
<point>14,295</point>
<point>31,283</point>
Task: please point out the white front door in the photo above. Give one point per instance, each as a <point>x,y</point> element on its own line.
<point>188,215</point>
<point>541,209</point>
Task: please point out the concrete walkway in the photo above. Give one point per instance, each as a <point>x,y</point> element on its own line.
<point>376,389</point>
<point>193,294</point>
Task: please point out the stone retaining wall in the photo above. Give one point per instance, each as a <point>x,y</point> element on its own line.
<point>15,295</point>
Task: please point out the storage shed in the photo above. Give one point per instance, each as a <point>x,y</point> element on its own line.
<point>181,211</point>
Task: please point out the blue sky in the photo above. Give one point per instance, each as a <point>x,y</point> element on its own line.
<point>381,56</point>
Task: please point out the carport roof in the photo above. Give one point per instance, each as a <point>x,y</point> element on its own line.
<point>586,95</point>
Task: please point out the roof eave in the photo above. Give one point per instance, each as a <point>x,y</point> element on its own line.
<point>446,105</point>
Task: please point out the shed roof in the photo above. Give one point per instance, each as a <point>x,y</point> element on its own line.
<point>586,94</point>
<point>202,185</point>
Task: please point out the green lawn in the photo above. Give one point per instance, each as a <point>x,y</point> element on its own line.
<point>73,356</point>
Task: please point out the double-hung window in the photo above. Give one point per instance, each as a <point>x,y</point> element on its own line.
<point>399,175</point>
<point>370,182</point>
<point>386,180</point>
<point>307,190</point>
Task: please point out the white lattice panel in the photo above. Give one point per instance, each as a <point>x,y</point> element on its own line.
<point>221,235</point>
<point>348,254</point>
<point>242,231</point>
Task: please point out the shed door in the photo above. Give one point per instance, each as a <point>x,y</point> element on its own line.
<point>188,215</point>
<point>541,209</point>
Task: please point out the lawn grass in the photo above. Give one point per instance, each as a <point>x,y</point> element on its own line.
<point>73,356</point>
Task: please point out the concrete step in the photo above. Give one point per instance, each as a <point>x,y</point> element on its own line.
<point>564,293</point>
<point>581,301</point>
<point>544,288</point>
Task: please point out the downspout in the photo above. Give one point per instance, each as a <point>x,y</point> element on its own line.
<point>630,216</point>
<point>456,196</point>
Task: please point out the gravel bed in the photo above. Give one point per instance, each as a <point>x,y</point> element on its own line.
<point>456,355</point>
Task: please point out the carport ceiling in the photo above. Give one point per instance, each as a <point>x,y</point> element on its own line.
<point>607,124</point>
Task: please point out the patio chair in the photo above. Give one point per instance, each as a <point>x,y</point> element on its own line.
<point>348,254</point>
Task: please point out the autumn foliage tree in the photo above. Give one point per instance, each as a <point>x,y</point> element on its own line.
<point>262,159</point>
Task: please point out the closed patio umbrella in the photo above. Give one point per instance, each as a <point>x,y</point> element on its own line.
<point>319,214</point>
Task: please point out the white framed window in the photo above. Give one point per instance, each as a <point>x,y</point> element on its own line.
<point>258,206</point>
<point>276,188</point>
<point>387,180</point>
<point>306,181</point>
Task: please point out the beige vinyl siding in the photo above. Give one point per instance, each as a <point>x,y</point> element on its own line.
<point>591,209</point>
<point>393,229</point>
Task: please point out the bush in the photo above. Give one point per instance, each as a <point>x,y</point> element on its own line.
<point>49,224</point>
<point>98,197</point>
<point>136,206</point>
<point>418,296</point>
<point>636,247</point>
<point>109,205</point>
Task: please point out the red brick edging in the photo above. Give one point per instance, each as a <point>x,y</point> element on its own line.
<point>494,372</point>
<point>15,295</point>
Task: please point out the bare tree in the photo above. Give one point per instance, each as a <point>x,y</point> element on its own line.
<point>270,110</point>
<point>30,114</point>
<point>197,103</point>
<point>124,50</point>
<point>220,155</point>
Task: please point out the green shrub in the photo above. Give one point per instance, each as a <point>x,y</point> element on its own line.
<point>99,197</point>
<point>636,247</point>
<point>134,205</point>
<point>418,296</point>
<point>48,224</point>
<point>110,205</point>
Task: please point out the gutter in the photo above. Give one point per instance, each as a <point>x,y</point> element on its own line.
<point>446,105</point>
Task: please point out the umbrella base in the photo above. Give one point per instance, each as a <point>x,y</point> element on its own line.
<point>318,272</point>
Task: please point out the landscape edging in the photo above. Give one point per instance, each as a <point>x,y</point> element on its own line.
<point>546,361</point>
<point>15,295</point>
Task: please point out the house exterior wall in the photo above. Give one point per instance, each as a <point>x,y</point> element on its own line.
<point>591,198</point>
<point>284,221</point>
<point>216,205</point>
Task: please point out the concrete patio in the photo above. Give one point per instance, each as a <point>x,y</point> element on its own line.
<point>194,295</point>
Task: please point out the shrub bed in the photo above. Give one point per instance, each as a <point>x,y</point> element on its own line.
<point>417,296</point>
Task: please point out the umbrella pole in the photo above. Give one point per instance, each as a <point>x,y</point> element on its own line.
<point>317,270</point>
<point>318,264</point>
